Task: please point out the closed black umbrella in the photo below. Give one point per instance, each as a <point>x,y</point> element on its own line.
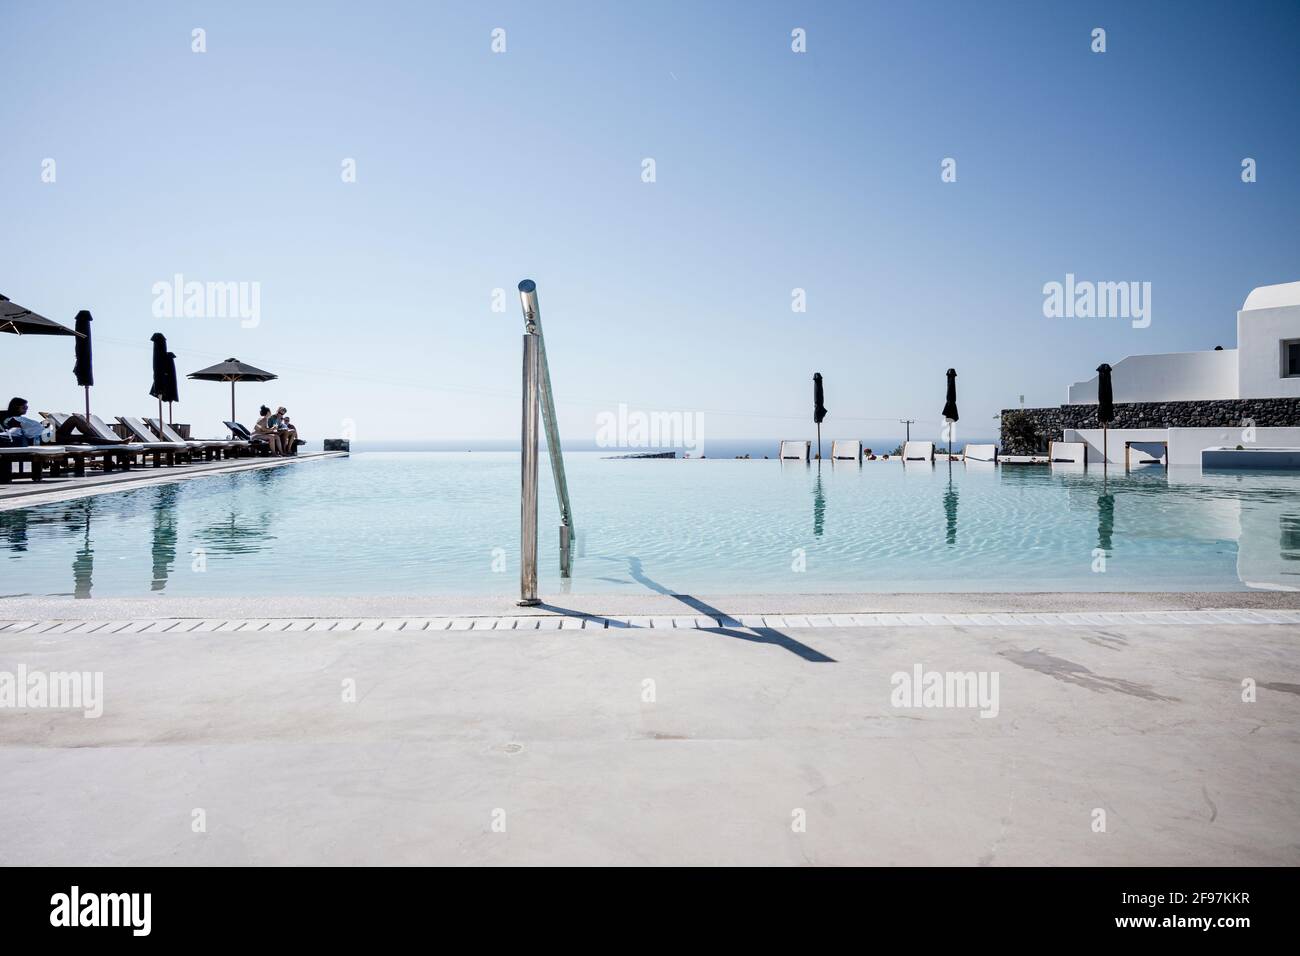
<point>950,408</point>
<point>21,321</point>
<point>84,369</point>
<point>819,409</point>
<point>171,390</point>
<point>159,387</point>
<point>232,370</point>
<point>1105,408</point>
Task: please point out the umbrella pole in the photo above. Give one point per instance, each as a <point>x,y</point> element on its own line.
<point>1105,452</point>
<point>160,408</point>
<point>87,387</point>
<point>232,402</point>
<point>169,413</point>
<point>819,441</point>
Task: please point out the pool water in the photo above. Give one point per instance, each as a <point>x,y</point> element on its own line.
<point>448,523</point>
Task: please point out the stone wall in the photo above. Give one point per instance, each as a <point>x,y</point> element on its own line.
<point>1048,423</point>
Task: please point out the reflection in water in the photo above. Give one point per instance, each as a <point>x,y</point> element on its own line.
<point>13,527</point>
<point>1105,521</point>
<point>950,508</point>
<point>1289,537</point>
<point>41,542</point>
<point>819,505</point>
<point>238,535</point>
<point>164,535</point>
<point>83,561</point>
<point>243,533</point>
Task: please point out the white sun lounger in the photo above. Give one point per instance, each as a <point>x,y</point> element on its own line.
<point>918,451</point>
<point>795,450</point>
<point>1067,453</point>
<point>980,453</point>
<point>844,449</point>
<point>1146,453</point>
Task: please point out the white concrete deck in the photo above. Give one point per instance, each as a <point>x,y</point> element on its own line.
<point>1133,707</point>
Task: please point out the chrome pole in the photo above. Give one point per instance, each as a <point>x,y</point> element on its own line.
<point>528,476</point>
<point>533,321</point>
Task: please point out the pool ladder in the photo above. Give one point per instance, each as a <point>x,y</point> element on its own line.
<point>537,397</point>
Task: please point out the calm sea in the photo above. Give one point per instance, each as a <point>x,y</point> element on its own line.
<point>713,447</point>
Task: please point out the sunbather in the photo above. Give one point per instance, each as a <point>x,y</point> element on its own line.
<point>288,434</point>
<point>22,431</point>
<point>264,429</point>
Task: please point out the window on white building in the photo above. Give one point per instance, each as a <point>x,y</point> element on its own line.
<point>1291,358</point>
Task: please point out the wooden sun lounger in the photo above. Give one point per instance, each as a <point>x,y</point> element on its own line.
<point>57,458</point>
<point>140,432</point>
<point>38,456</point>
<point>114,454</point>
<point>95,432</point>
<point>257,443</point>
<point>212,448</point>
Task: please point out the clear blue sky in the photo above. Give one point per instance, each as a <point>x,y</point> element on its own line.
<point>774,170</point>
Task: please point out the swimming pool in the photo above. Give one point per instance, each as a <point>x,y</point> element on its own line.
<point>448,523</point>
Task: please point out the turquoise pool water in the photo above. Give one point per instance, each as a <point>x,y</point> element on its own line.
<point>448,523</point>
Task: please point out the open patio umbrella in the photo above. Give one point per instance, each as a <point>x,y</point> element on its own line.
<point>232,370</point>
<point>171,393</point>
<point>950,408</point>
<point>14,318</point>
<point>84,368</point>
<point>819,409</point>
<point>1105,408</point>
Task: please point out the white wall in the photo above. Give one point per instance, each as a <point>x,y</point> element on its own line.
<point>1185,444</point>
<point>1167,377</point>
<point>1259,336</point>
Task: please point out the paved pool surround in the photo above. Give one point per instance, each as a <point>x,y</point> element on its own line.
<point>662,745</point>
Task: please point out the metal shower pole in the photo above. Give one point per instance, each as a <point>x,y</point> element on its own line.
<point>537,392</point>
<point>528,478</point>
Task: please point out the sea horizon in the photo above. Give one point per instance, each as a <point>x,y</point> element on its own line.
<point>711,448</point>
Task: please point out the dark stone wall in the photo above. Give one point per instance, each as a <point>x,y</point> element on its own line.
<point>1044,422</point>
<point>1048,423</point>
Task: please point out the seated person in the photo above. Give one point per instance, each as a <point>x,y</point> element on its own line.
<point>264,429</point>
<point>288,434</point>
<point>21,430</point>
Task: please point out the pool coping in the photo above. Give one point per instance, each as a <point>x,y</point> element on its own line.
<point>731,606</point>
<point>757,624</point>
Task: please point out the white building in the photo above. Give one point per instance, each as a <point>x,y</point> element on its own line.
<point>1264,365</point>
